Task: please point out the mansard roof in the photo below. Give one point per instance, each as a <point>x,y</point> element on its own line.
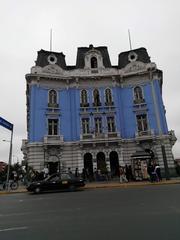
<point>80,63</point>
<point>141,53</point>
<point>42,58</point>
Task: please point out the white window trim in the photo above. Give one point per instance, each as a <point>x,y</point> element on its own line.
<point>58,126</point>
<point>57,95</point>
<point>141,91</point>
<point>105,94</point>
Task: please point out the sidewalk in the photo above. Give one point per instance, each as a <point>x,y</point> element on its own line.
<point>112,184</point>
<point>107,184</point>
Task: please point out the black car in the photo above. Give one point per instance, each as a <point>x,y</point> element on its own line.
<point>56,182</point>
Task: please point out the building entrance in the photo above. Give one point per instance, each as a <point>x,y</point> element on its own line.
<point>88,164</point>
<point>114,163</point>
<point>101,162</point>
<point>53,167</point>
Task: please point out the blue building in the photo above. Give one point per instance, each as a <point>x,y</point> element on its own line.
<point>96,116</point>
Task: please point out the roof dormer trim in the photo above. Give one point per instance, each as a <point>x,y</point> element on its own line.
<point>93,53</point>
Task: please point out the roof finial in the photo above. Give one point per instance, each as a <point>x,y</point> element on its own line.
<point>129,39</point>
<point>51,40</point>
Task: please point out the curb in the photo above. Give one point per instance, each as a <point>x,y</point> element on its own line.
<point>131,185</point>
<point>108,185</point>
<point>12,192</point>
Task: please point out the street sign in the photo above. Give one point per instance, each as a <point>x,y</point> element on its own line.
<point>6,124</point>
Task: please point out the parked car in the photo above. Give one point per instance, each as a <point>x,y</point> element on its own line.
<point>56,182</point>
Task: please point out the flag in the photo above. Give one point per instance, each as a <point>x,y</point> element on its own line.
<point>6,124</point>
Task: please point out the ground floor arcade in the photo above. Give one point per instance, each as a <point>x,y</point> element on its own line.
<point>103,156</point>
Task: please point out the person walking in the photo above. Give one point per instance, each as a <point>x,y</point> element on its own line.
<point>76,173</point>
<point>122,175</point>
<point>158,172</point>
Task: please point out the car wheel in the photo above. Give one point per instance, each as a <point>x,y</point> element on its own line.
<point>37,190</point>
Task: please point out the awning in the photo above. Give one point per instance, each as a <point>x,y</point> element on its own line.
<point>141,155</point>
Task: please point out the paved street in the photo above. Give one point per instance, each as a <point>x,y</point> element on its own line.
<point>149,212</point>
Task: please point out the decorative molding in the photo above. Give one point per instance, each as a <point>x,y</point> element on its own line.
<point>134,67</point>
<point>52,69</point>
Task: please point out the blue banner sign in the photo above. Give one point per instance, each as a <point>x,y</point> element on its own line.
<point>6,124</point>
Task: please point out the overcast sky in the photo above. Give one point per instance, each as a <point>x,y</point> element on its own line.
<point>25,29</point>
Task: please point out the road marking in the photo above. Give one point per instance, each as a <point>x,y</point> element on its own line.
<point>15,214</point>
<point>13,229</point>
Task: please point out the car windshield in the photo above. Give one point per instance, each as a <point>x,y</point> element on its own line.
<point>52,177</point>
<point>65,176</point>
<point>55,178</point>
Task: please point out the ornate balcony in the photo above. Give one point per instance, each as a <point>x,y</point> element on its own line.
<point>112,134</point>
<point>84,105</point>
<point>99,135</point>
<point>53,139</point>
<point>139,101</point>
<point>53,105</point>
<point>86,136</point>
<point>145,135</point>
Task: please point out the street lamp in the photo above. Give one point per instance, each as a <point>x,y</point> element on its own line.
<point>9,162</point>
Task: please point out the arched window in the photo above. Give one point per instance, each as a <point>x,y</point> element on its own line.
<point>96,98</point>
<point>93,62</point>
<point>53,98</point>
<point>108,97</point>
<point>138,95</point>
<point>84,98</point>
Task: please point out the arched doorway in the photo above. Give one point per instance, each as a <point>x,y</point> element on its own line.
<point>114,163</point>
<point>53,164</point>
<point>88,164</point>
<point>101,162</point>
<point>53,167</point>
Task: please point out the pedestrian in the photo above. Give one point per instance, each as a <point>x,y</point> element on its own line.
<point>46,172</point>
<point>127,172</point>
<point>98,174</point>
<point>122,175</point>
<point>131,177</point>
<point>76,173</point>
<point>83,174</point>
<point>144,170</point>
<point>151,172</point>
<point>69,170</point>
<point>95,174</point>
<point>158,172</point>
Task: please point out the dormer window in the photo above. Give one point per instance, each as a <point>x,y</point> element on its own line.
<point>138,95</point>
<point>94,62</point>
<point>52,98</point>
<point>96,98</point>
<point>84,98</point>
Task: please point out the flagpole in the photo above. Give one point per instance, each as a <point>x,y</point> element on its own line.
<point>130,44</point>
<point>9,162</point>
